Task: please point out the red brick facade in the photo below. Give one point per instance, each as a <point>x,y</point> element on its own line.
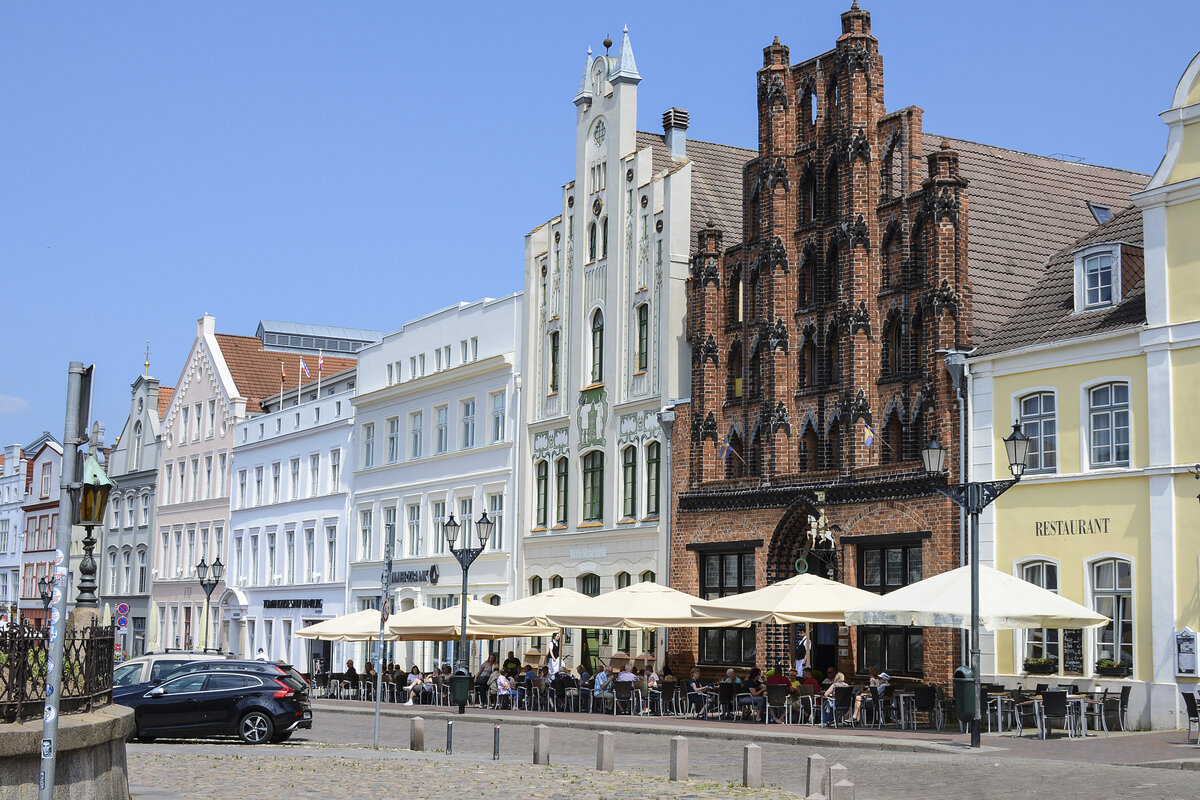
<point>829,318</point>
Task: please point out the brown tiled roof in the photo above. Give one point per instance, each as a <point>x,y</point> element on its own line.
<point>1022,209</point>
<point>256,371</point>
<point>1046,313</point>
<point>164,399</point>
<point>716,183</point>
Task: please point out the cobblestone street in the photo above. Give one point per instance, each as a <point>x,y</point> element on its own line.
<point>335,760</point>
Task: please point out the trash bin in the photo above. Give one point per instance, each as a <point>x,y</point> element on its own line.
<point>965,699</point>
<point>460,687</point>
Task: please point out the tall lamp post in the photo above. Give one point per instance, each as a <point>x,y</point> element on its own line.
<point>90,500</point>
<point>208,584</point>
<point>466,556</point>
<point>46,595</point>
<point>973,497</point>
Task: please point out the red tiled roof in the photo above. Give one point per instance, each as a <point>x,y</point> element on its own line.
<point>255,370</point>
<point>164,399</point>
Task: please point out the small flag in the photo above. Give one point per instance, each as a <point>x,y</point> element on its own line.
<point>868,434</point>
<point>304,368</point>
<point>282,371</point>
<point>725,450</point>
<point>320,360</point>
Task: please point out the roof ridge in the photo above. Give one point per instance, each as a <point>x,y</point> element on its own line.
<point>705,141</point>
<point>927,135</point>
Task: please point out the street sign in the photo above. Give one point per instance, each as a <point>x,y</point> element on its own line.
<point>122,622</point>
<point>122,609</point>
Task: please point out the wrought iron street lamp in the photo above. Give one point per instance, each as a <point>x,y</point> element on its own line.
<point>208,584</point>
<point>466,556</point>
<point>45,593</point>
<point>90,501</point>
<point>973,497</point>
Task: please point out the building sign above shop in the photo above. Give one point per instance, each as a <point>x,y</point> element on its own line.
<point>1071,527</point>
<point>428,575</point>
<point>305,602</point>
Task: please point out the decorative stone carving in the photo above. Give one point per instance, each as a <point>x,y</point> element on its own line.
<point>860,320</point>
<point>850,234</point>
<point>857,57</point>
<point>856,408</point>
<point>706,429</point>
<point>551,444</point>
<point>707,351</point>
<point>941,298</point>
<point>859,147</point>
<point>772,171</point>
<point>771,89</point>
<point>777,335</point>
<point>778,417</point>
<point>639,427</point>
<point>592,416</point>
<point>942,204</point>
<point>705,271</point>
<point>771,254</point>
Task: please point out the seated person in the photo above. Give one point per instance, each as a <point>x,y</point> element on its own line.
<point>754,696</point>
<point>505,688</point>
<point>864,699</point>
<point>731,676</point>
<point>827,708</point>
<point>602,689</point>
<point>627,674</point>
<point>511,663</point>
<point>697,695</point>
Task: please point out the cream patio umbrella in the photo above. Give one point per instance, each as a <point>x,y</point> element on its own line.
<point>361,626</point>
<point>152,629</point>
<point>801,598</point>
<point>639,606</point>
<point>944,601</point>
<point>428,624</point>
<point>532,610</point>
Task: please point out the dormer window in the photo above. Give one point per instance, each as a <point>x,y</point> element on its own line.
<point>1097,278</point>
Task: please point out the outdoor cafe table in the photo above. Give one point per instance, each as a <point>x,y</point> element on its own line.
<point>1080,700</point>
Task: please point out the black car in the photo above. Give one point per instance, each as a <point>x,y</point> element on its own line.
<point>256,707</point>
<point>237,665</point>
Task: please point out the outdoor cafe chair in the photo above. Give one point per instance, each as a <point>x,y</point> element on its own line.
<point>1121,706</point>
<point>1054,705</point>
<point>777,698</point>
<point>886,706</point>
<point>926,700</point>
<point>1189,701</point>
<point>1092,709</point>
<point>1024,709</point>
<point>726,696</point>
<point>841,703</point>
<point>623,692</point>
<point>571,692</point>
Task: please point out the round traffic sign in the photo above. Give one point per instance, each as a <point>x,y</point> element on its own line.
<point>122,609</point>
<point>122,622</point>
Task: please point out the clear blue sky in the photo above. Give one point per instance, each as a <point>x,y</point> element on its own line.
<point>362,163</point>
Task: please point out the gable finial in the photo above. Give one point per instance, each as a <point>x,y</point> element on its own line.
<point>146,363</point>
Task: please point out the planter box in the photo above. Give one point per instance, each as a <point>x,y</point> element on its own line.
<point>1041,669</point>
<point>1114,672</point>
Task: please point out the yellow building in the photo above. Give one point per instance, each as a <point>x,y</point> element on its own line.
<point>1102,367</point>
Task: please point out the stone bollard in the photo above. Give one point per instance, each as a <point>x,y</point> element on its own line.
<point>837,772</point>
<point>541,744</point>
<point>752,766</point>
<point>842,790</point>
<point>604,751</point>
<point>817,775</point>
<point>416,735</point>
<point>679,759</point>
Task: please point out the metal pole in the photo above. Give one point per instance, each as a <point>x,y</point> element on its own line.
<point>386,583</point>
<point>973,495</point>
<point>58,603</point>
<point>462,638</point>
<point>450,738</point>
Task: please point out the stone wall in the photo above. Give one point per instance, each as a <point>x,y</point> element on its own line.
<point>91,756</point>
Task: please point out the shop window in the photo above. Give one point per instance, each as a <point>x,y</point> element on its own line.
<point>894,649</point>
<point>722,575</point>
<point>1112,596</point>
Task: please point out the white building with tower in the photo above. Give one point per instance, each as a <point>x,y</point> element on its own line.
<point>603,342</point>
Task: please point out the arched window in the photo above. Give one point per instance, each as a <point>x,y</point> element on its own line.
<point>737,296</point>
<point>593,486</point>
<point>653,463</point>
<point>127,570</point>
<point>1042,642</point>
<point>535,585</point>
<point>561,476</point>
<point>112,571</point>
<point>597,346</point>
<point>735,371</point>
<point>592,248</point>
<point>893,346</point>
<point>143,578</point>
<point>833,355</point>
<point>810,450</point>
<point>917,337</point>
<point>891,266</point>
<point>892,450</point>
<point>604,238</point>
<point>808,195</point>
<point>543,481</point>
<point>812,108</point>
<point>1112,596</point>
<point>643,336</point>
<point>554,360</point>
<point>623,579</point>
<point>835,445</point>
<point>916,262</point>
<point>135,453</point>
<point>832,269</point>
<point>589,584</point>
<point>735,457</point>
<point>556,582</point>
<point>647,576</point>
<point>832,191</point>
<point>629,484</point>
<point>810,366</point>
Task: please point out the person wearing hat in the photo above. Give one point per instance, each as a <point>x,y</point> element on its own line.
<point>865,699</point>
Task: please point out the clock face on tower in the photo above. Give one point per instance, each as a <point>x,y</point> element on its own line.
<point>598,133</point>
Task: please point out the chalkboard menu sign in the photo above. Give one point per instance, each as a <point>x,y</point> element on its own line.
<point>1073,651</point>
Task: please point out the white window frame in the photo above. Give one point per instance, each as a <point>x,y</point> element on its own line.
<point>1085,416</point>
<point>368,445</point>
<point>1081,258</point>
<point>393,439</point>
<point>441,416</point>
<point>1091,642</point>
<point>416,426</point>
<point>436,520</point>
<point>413,524</point>
<point>467,422</point>
<point>1020,639</point>
<point>1015,402</point>
<point>499,415</point>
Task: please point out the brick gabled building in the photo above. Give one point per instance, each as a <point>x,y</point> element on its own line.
<point>867,249</point>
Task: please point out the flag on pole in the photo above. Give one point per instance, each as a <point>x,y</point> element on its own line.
<point>282,372</point>
<point>868,434</point>
<point>724,450</point>
<point>304,368</point>
<point>320,361</point>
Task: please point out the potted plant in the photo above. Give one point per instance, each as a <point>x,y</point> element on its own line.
<point>1041,666</point>
<point>1113,669</point>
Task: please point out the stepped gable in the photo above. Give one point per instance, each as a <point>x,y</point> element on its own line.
<point>716,182</point>
<point>255,371</point>
<point>1024,208</point>
<point>1047,312</point>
